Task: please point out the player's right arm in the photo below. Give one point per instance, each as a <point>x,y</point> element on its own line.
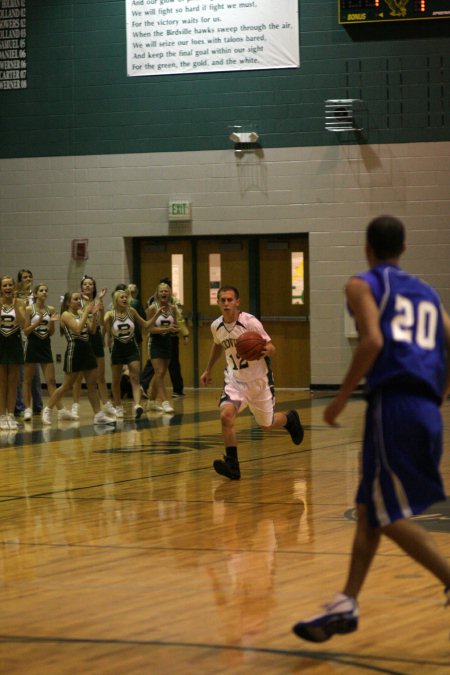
<point>446,322</point>
<point>366,313</point>
<point>215,354</point>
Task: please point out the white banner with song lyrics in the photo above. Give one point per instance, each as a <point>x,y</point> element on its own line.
<point>167,37</point>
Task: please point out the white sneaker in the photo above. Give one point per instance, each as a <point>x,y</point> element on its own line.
<point>27,415</point>
<point>138,410</point>
<point>102,429</point>
<point>46,434</point>
<point>76,410</point>
<point>65,414</point>
<point>101,418</point>
<point>4,426</point>
<point>119,411</point>
<point>166,407</point>
<point>154,405</point>
<point>109,409</point>
<point>12,423</point>
<point>47,416</point>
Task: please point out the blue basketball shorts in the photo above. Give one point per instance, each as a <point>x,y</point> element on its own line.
<point>401,454</point>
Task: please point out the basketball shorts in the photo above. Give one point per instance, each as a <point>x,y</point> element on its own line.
<point>258,395</point>
<point>401,455</point>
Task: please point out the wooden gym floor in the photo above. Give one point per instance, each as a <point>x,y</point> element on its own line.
<point>123,552</point>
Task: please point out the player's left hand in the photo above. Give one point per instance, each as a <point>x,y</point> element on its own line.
<point>332,411</point>
<point>205,378</point>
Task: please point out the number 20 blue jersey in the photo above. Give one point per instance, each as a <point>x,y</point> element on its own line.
<point>412,327</point>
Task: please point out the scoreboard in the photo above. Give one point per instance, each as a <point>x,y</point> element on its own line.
<point>367,11</point>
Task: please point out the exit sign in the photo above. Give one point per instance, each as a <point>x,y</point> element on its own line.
<point>180,210</point>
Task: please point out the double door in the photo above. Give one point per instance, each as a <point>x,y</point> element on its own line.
<point>271,274</point>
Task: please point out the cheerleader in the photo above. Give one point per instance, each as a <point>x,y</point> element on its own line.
<point>76,325</point>
<point>162,316</point>
<point>120,332</point>
<point>39,327</point>
<point>12,319</point>
<point>25,292</point>
<point>88,289</point>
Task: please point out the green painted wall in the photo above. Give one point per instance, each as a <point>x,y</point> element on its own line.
<point>79,100</point>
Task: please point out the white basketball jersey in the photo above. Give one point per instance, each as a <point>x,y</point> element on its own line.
<point>226,334</point>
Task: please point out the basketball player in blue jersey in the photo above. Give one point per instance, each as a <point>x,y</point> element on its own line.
<point>247,383</point>
<point>404,353</point>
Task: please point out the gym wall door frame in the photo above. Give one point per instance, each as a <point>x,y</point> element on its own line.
<point>272,274</point>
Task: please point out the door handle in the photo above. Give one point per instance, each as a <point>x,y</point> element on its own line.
<point>285,318</point>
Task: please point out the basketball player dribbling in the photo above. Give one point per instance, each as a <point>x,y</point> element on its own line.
<point>247,383</point>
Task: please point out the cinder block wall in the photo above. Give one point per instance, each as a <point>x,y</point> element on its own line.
<point>87,152</point>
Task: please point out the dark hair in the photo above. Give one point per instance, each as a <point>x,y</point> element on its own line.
<point>228,288</point>
<point>37,287</point>
<point>386,237</point>
<point>20,274</point>
<point>88,276</point>
<point>65,301</point>
<point>120,287</point>
<point>166,280</point>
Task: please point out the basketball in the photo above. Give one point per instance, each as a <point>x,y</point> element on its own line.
<point>249,345</point>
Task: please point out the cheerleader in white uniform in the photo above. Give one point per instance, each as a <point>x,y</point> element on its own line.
<point>39,327</point>
<point>12,319</point>
<point>120,331</point>
<point>79,356</point>
<point>88,289</point>
<point>162,316</point>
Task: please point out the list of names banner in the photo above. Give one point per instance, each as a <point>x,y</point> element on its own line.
<point>13,55</point>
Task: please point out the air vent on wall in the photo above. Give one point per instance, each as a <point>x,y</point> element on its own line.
<point>342,114</point>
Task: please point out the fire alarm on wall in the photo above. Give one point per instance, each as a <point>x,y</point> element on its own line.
<point>80,249</point>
